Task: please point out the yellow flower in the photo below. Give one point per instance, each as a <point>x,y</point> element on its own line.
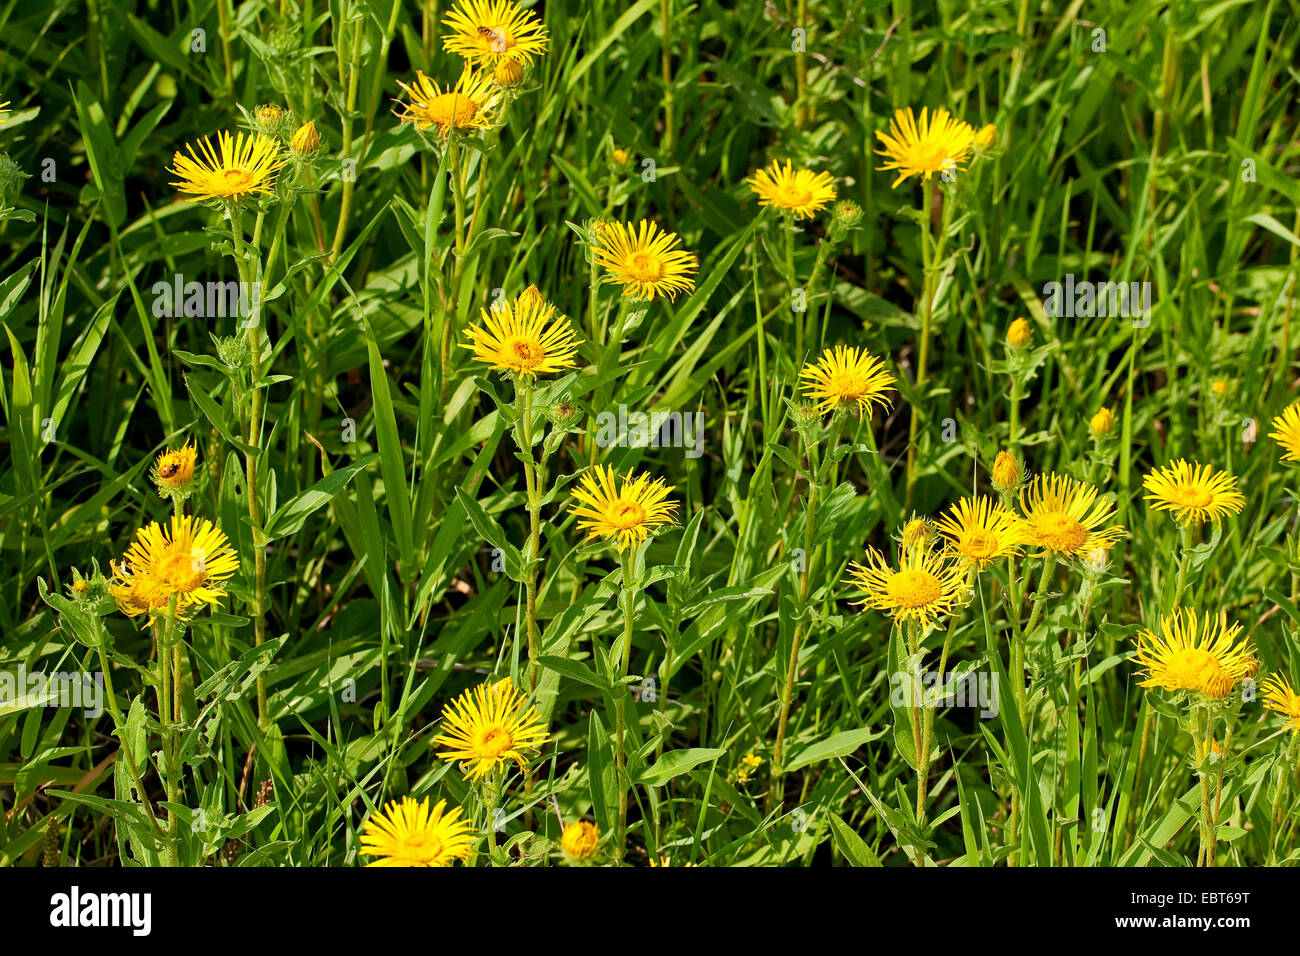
<point>525,338</point>
<point>626,513</point>
<point>847,375</point>
<point>986,136</point>
<point>1063,516</point>
<point>579,840</point>
<point>1198,655</point>
<point>1006,471</point>
<point>643,260</point>
<point>1019,333</point>
<point>486,32</point>
<point>488,725</point>
<point>269,115</point>
<point>933,145</point>
<point>800,192</point>
<point>621,156</point>
<point>1220,387</point>
<point>926,586</point>
<point>1280,697</point>
<point>1102,424</point>
<point>305,140</point>
<point>917,533</point>
<point>240,166</point>
<point>980,530</point>
<point>508,73</point>
<point>472,104</point>
<point>190,564</point>
<point>663,861</point>
<point>407,833</point>
<point>748,764</point>
<point>1195,493</point>
<point>1286,431</point>
<point>174,470</point>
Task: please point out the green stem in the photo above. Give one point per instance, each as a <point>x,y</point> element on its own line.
<point>620,752</point>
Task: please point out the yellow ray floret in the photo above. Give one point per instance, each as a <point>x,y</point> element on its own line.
<point>239,166</point>
<point>471,104</point>
<point>1064,516</point>
<point>936,143</point>
<point>408,833</point>
<point>847,375</point>
<point>1194,493</point>
<point>800,192</point>
<point>1197,654</point>
<point>1286,432</point>
<point>525,337</point>
<point>1280,697</point>
<point>489,725</point>
<point>625,511</point>
<point>488,32</point>
<point>980,530</point>
<point>188,564</point>
<point>644,260</point>
<point>927,585</point>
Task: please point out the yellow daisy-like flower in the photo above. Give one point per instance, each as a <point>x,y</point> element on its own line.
<point>579,840</point>
<point>487,32</point>
<point>407,833</point>
<point>305,139</point>
<point>1063,516</point>
<point>190,564</point>
<point>980,531</point>
<point>471,104</point>
<point>238,167</point>
<point>644,260</point>
<point>926,586</point>
<point>1194,654</point>
<point>1280,697</point>
<point>625,512</point>
<point>174,470</point>
<point>525,338</point>
<point>924,148</point>
<point>1194,493</point>
<point>488,725</point>
<point>800,192</point>
<point>847,375</point>
<point>1286,431</point>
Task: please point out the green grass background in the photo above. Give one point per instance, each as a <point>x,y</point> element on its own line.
<point>1170,158</point>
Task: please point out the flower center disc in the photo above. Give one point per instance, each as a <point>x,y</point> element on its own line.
<point>846,385</point>
<point>496,742</point>
<point>929,156</point>
<point>421,846</point>
<point>792,195</point>
<point>527,354</point>
<point>1192,497</point>
<point>1187,669</point>
<point>626,514</point>
<point>182,571</point>
<point>233,181</point>
<point>914,588</point>
<point>643,267</point>
<point>979,545</point>
<point>452,109</point>
<point>1059,532</point>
